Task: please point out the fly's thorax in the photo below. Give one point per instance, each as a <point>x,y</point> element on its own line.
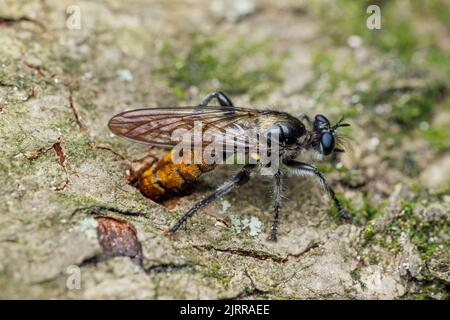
<point>283,130</point>
<point>280,136</point>
<point>292,126</point>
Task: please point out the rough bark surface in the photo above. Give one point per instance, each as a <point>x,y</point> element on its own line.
<point>59,87</point>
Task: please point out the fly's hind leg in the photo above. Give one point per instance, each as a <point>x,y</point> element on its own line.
<point>136,167</point>
<point>242,177</point>
<point>276,207</point>
<point>306,169</point>
<point>224,101</point>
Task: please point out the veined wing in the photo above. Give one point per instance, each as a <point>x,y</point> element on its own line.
<point>158,126</point>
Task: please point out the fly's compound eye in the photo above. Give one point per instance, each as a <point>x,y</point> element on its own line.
<point>327,143</point>
<point>321,123</point>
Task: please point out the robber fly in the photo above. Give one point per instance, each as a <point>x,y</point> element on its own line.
<point>155,126</point>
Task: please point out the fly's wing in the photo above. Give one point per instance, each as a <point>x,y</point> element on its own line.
<point>163,126</point>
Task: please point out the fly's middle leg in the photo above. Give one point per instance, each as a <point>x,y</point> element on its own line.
<point>241,178</point>
<point>276,207</point>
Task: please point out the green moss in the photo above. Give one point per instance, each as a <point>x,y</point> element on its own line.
<point>369,232</point>
<point>69,65</point>
<point>398,34</point>
<point>445,191</point>
<point>410,106</point>
<point>373,259</point>
<point>400,38</point>
<point>215,272</point>
<point>409,110</point>
<point>325,168</point>
<point>438,59</point>
<point>206,63</point>
<point>439,138</point>
<point>337,72</point>
<point>425,235</point>
<point>346,203</point>
<point>430,290</point>
<point>356,276</point>
<point>345,16</point>
<point>360,214</point>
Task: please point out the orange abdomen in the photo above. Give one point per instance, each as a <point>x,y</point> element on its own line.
<point>167,177</point>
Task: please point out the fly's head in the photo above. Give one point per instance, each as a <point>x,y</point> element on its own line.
<point>324,135</point>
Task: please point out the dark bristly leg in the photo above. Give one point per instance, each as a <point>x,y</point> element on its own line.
<point>224,101</point>
<point>302,168</point>
<point>241,178</point>
<point>276,207</point>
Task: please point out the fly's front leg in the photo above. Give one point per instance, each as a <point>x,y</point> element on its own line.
<point>306,169</point>
<point>241,178</point>
<point>224,101</point>
<point>276,207</point>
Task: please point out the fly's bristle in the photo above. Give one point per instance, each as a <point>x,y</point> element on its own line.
<point>342,143</point>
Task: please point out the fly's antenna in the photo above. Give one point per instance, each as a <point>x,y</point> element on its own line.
<point>341,140</point>
<point>340,124</point>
